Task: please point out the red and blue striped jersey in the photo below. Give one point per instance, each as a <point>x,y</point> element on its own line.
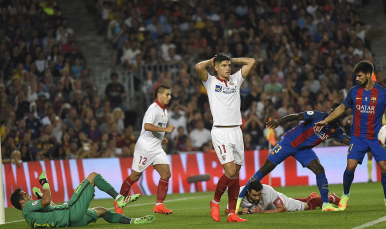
<point>368,107</point>
<point>303,135</point>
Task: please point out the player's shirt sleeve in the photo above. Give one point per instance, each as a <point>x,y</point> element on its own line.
<point>272,196</point>
<point>312,115</point>
<point>208,81</point>
<point>150,115</point>
<point>348,102</point>
<point>340,135</point>
<point>238,76</point>
<point>32,206</point>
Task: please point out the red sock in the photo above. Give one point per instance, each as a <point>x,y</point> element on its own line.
<point>126,186</point>
<point>222,185</point>
<point>314,203</point>
<point>233,192</point>
<point>162,190</point>
<point>302,199</point>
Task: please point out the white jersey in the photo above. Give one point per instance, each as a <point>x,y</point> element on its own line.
<point>270,199</point>
<point>224,99</point>
<point>150,141</point>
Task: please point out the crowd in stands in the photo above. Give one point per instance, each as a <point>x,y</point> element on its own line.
<point>305,52</point>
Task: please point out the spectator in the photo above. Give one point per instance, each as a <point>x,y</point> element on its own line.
<point>189,147</point>
<point>247,143</point>
<point>200,135</point>
<point>180,139</point>
<point>115,92</point>
<point>119,117</point>
<point>93,133</point>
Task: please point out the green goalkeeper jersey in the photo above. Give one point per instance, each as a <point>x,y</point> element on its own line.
<point>50,216</point>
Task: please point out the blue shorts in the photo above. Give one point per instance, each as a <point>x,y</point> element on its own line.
<point>360,146</point>
<point>283,149</point>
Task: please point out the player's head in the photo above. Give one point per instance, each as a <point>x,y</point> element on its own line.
<point>163,94</point>
<point>114,77</point>
<point>222,65</point>
<point>19,198</point>
<point>363,71</point>
<point>255,188</point>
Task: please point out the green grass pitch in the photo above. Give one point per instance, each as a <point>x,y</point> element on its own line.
<point>191,210</point>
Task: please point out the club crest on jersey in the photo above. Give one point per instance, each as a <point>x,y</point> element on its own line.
<point>332,131</point>
<point>218,88</point>
<point>374,99</point>
<point>159,124</point>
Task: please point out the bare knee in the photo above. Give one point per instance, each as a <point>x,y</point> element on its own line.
<point>230,172</point>
<point>351,165</point>
<point>91,177</point>
<point>166,175</point>
<point>316,167</point>
<point>134,176</point>
<point>101,211</point>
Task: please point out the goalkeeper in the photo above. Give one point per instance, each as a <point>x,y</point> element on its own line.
<point>74,213</point>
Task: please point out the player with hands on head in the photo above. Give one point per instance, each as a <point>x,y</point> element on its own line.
<point>298,142</point>
<point>368,101</point>
<point>148,150</point>
<point>224,100</point>
<point>74,213</point>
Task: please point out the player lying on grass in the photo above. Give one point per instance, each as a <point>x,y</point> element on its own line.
<point>74,213</point>
<point>298,142</point>
<point>263,198</point>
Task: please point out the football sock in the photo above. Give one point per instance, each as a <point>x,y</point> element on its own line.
<point>257,176</point>
<point>126,186</point>
<point>331,199</point>
<point>222,185</point>
<point>113,217</point>
<point>383,181</point>
<point>233,191</point>
<point>369,168</point>
<point>321,181</point>
<point>303,199</point>
<point>348,177</point>
<point>105,186</point>
<point>314,203</point>
<point>162,190</point>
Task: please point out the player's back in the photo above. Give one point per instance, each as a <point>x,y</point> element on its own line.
<point>303,135</point>
<point>149,141</point>
<point>224,99</point>
<point>368,108</point>
<point>50,216</point>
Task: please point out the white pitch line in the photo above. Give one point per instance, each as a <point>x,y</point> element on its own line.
<point>187,198</point>
<point>371,223</point>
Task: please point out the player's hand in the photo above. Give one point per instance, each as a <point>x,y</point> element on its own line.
<point>37,192</point>
<point>44,181</point>
<point>170,128</point>
<point>256,210</point>
<point>273,123</point>
<point>244,211</point>
<point>212,61</point>
<point>164,141</point>
<point>320,125</point>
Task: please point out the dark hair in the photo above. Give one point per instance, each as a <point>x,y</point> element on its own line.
<point>113,74</point>
<point>255,185</point>
<point>364,66</point>
<point>220,57</point>
<point>16,197</point>
<point>160,89</point>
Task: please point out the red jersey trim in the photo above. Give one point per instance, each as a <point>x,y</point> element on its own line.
<point>160,105</point>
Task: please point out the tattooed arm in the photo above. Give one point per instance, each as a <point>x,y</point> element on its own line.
<point>247,63</point>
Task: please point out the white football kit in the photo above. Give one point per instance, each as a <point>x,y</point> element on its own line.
<point>270,199</point>
<point>148,149</point>
<point>224,100</point>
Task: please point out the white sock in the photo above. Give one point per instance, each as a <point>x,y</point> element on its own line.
<point>215,202</point>
<point>119,196</point>
<point>158,204</point>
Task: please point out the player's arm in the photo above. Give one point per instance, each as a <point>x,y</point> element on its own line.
<point>346,141</point>
<point>201,68</point>
<point>151,127</point>
<point>288,118</point>
<point>280,207</point>
<point>247,63</point>
<point>339,111</point>
<point>242,212</point>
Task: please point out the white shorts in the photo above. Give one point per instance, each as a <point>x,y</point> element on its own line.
<point>142,160</point>
<point>294,205</point>
<point>228,144</point>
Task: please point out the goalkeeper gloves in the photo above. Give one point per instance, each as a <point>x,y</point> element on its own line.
<point>44,181</point>
<point>37,192</point>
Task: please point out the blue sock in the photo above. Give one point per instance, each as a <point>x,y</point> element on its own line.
<point>383,181</point>
<point>321,181</point>
<point>348,177</point>
<point>257,176</point>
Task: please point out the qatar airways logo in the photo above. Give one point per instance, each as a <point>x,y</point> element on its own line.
<point>321,135</point>
<point>365,109</point>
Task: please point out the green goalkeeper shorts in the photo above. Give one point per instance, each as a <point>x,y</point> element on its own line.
<point>80,214</point>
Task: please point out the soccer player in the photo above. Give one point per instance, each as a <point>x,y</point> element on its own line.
<point>148,150</point>
<point>224,100</point>
<point>261,199</point>
<point>74,213</point>
<point>298,142</point>
<point>368,101</point>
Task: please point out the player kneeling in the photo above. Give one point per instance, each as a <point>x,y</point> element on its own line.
<point>263,198</point>
<point>74,213</point>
